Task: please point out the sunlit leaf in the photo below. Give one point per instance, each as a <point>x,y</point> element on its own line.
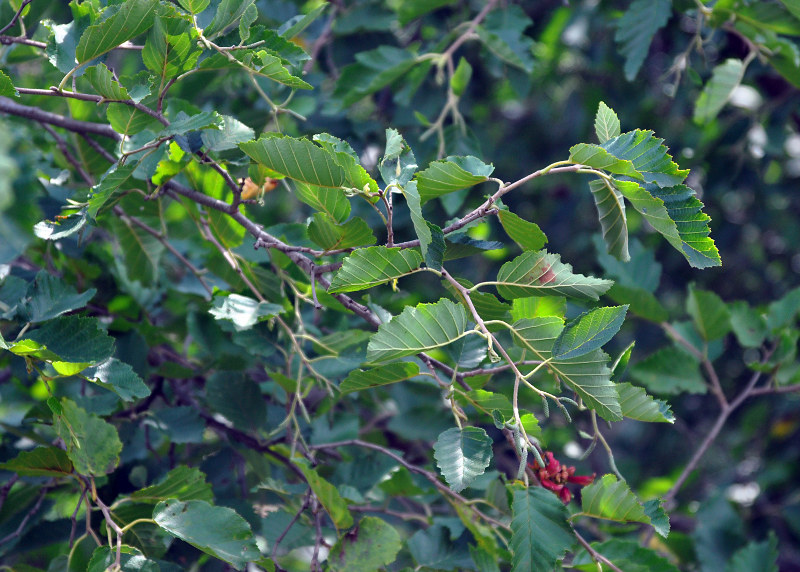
<point>451,174</point>
<point>181,483</point>
<point>526,234</point>
<point>636,404</point>
<point>371,545</point>
<point>612,499</point>
<point>243,311</point>
<point>589,331</point>
<point>93,444</point>
<point>298,159</point>
<point>325,232</point>
<point>606,123</point>
<point>329,497</point>
<point>133,18</point>
<point>360,379</point>
<point>462,455</point>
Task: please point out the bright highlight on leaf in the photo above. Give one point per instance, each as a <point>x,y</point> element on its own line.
<point>589,331</point>
<point>368,267</point>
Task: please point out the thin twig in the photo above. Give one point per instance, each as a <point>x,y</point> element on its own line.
<point>596,556</point>
<point>16,16</point>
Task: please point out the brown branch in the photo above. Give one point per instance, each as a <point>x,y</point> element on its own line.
<point>470,29</point>
<point>596,556</point>
<point>414,469</point>
<point>53,92</point>
<point>16,16</point>
<point>42,494</point>
<point>13,108</point>
<point>8,40</point>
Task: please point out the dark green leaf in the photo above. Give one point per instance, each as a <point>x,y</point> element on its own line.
<point>627,555</point>
<point>131,560</point>
<point>104,83</point>
<point>40,462</point>
<point>748,324</point>
<point>648,156</point>
<point>116,177</point>
<point>611,211</point>
<point>141,250</point>
<point>93,445</point>
<point>635,31</point>
<point>48,297</point>
<point>371,545</point>
<point>74,339</point>
<point>430,236</point>
<point>372,71</point>
<point>762,556</point>
<point>238,398</point>
<point>540,532</point>
<point>229,539</point>
<point>228,12</point>
<point>589,331</point>
<point>120,378</point>
<point>194,6</point>
<point>669,371</point>
<point>418,329</point>
<point>462,455</point>
<point>133,18</point>
<point>503,32</point>
<point>658,516</point>
<point>709,313</point>
<point>228,136</point>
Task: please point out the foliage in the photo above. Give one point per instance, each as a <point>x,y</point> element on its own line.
<point>274,291</point>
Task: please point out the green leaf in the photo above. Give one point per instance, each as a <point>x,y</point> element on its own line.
<point>762,556</point>
<point>298,159</point>
<point>433,548</point>
<point>431,238</point>
<point>462,455</point>
<point>418,329</point>
<point>685,209</point>
<point>230,133</point>
<point>168,50</point>
<point>627,555</point>
<point>503,33</point>
<point>606,123</point>
<point>710,314</point>
<point>181,483</point>
<point>589,331</point>
<point>371,545</point>
<point>367,267</point>
<point>669,371</point>
<point>725,78</point>
<point>250,15</point>
<point>748,324</point>
<point>48,297</point>
<point>104,83</point>
<point>133,18</point>
<point>229,539</point>
<point>659,518</point>
<point>649,157</point>
<point>460,245</point>
<point>7,86</point>
<point>271,66</point>
<point>120,378</point>
<point>597,157</point>
<point>635,31</point>
<point>238,398</point>
<point>62,228</point>
<point>409,10</point>
<point>194,6</point>
<point>127,120</point>
<point>543,274</point>
<point>131,560</point>
<point>373,70</point>
<point>540,531</point>
<point>93,445</point>
<point>526,234</point>
<point>325,232</point>
<point>243,311</point>
<point>360,379</point>
<point>611,212</point>
<point>398,164</point>
<point>40,462</point>
<point>460,78</point>
<point>329,497</point>
<point>451,174</point>
<point>184,123</point>
<point>355,175</point>
<point>641,272</point>
<point>611,499</point>
<point>74,339</point>
<point>636,404</point>
<point>486,400</point>
<point>117,176</point>
<point>141,251</point>
<point>228,12</point>
<point>300,22</point>
<point>588,375</point>
<point>538,306</point>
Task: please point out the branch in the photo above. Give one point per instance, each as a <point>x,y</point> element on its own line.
<point>53,92</point>
<point>16,16</point>
<point>13,108</point>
